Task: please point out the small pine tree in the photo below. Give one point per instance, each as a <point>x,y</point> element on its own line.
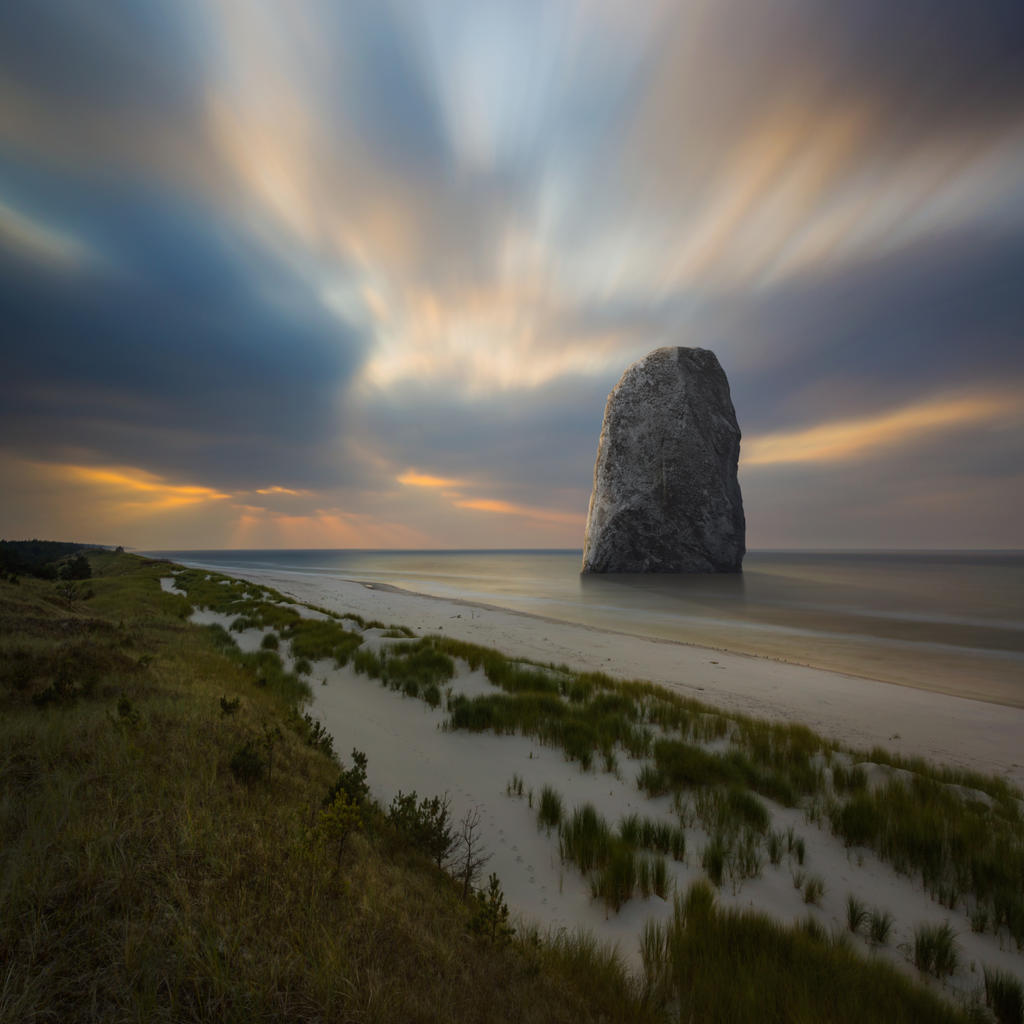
<point>338,822</point>
<point>426,824</point>
<point>352,782</point>
<point>491,917</point>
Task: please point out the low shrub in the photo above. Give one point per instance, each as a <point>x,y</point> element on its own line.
<point>246,764</point>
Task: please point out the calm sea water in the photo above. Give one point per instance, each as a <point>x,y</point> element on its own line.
<point>949,621</point>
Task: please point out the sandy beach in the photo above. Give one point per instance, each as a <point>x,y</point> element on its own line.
<point>860,712</point>
<point>408,748</point>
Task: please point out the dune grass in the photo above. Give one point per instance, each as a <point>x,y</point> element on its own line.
<point>1004,995</point>
<point>549,811</point>
<point>158,711</point>
<point>716,965</point>
<point>958,846</point>
<point>142,879</point>
<point>935,949</point>
<point>962,831</point>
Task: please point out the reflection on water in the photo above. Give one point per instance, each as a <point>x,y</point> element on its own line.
<point>945,620</point>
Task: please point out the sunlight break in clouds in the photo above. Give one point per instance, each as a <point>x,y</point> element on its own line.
<point>849,439</point>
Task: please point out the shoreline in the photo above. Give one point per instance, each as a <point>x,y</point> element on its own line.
<point>975,659</point>
<point>859,711</point>
<point>554,620</point>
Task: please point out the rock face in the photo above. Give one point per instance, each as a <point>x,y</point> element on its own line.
<point>666,497</point>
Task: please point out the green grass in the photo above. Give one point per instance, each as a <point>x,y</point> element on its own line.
<point>935,949</point>
<point>549,812</point>
<point>1004,995</point>
<point>165,888</point>
<point>140,880</point>
<point>720,966</point>
<point>880,924</point>
<point>957,846</point>
<point>965,851</point>
<point>856,914</point>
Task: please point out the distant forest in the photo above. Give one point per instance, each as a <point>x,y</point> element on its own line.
<point>48,559</point>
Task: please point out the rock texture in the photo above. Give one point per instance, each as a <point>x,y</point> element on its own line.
<point>666,497</point>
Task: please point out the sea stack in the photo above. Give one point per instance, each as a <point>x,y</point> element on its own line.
<point>666,498</point>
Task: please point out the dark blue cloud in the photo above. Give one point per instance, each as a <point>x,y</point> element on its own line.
<point>119,56</point>
<point>523,443</point>
<point>187,347</point>
<point>383,87</point>
<point>943,315</point>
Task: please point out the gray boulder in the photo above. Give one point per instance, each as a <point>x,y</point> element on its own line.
<point>666,497</point>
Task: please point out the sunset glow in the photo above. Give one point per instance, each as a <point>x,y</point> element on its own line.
<point>364,274</point>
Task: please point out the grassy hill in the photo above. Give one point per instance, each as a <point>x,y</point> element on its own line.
<point>166,854</point>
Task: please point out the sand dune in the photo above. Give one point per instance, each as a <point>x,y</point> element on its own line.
<point>408,749</point>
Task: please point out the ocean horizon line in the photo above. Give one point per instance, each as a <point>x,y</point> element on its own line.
<point>579,551</point>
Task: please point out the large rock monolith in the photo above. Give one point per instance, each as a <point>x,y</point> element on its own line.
<point>666,497</point>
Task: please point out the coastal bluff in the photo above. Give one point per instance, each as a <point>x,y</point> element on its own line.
<point>666,498</point>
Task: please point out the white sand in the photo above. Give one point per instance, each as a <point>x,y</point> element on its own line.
<point>861,712</point>
<point>407,749</point>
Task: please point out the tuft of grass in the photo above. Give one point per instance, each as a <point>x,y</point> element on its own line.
<point>879,926</point>
<point>1004,995</point>
<point>549,812</point>
<point>586,839</point>
<point>659,877</point>
<point>616,879</point>
<point>935,949</point>
<point>814,889</point>
<point>856,913</point>
<point>714,859</point>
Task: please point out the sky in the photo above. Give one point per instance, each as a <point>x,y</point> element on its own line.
<point>362,274</point>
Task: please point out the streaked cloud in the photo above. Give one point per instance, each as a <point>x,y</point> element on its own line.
<point>291,492</point>
<point>412,478</point>
<point>841,440</point>
<point>43,242</point>
<point>507,508</point>
<point>136,489</point>
<point>370,269</point>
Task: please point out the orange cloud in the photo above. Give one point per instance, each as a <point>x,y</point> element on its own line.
<point>847,439</point>
<point>507,508</point>
<point>413,478</point>
<point>283,490</point>
<point>137,488</point>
